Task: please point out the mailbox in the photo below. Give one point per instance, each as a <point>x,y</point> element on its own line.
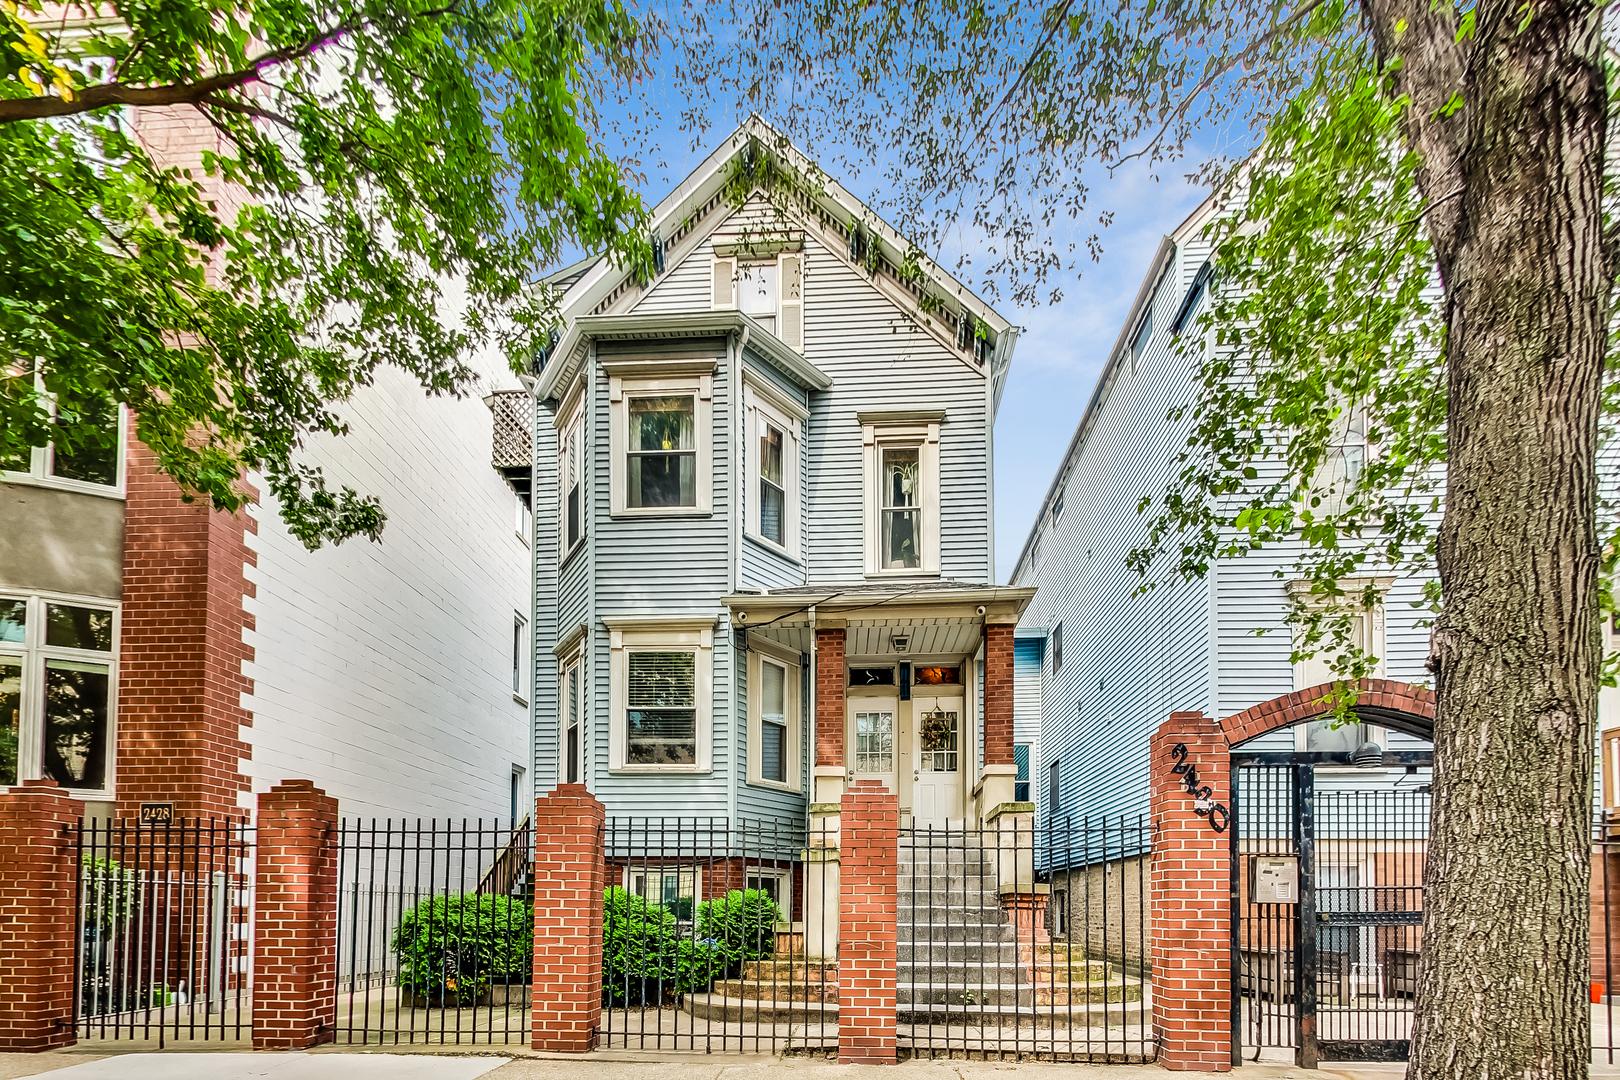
<point>1273,879</point>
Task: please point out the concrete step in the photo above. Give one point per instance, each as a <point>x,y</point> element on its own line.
<point>1023,1016</point>
<point>718,1007</point>
<point>778,994</point>
<point>956,952</point>
<point>985,974</point>
<point>791,971</point>
<point>967,993</point>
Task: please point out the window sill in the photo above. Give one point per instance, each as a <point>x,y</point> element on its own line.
<point>659,770</point>
<point>566,557</point>
<point>902,575</point>
<point>78,486</point>
<point>774,548</point>
<point>759,782</point>
<point>521,700</point>
<point>629,513</point>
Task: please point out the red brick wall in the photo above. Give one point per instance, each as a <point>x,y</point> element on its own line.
<point>867,946</point>
<point>295,918</point>
<point>1190,901</point>
<point>569,878</point>
<point>180,649</point>
<point>830,681</point>
<point>36,917</point>
<point>998,694</point>
<point>1387,695</point>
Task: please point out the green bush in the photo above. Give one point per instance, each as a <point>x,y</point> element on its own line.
<point>108,896</point>
<point>742,926</point>
<point>452,948</point>
<point>645,959</point>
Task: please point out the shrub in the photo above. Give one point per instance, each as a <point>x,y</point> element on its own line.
<point>452,948</point>
<point>742,925</point>
<point>644,956</point>
<point>109,895</point>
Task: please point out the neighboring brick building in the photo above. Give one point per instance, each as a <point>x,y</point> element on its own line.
<point>154,650</point>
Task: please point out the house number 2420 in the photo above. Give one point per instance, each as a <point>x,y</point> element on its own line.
<point>1203,798</point>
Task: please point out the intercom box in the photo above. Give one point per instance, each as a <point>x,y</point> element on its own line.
<point>1273,879</point>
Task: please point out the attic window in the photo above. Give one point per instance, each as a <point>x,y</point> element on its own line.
<point>757,291</point>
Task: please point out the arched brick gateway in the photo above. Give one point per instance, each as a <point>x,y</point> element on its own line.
<point>1190,874</point>
<point>1396,705</point>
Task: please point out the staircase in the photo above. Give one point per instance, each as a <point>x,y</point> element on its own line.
<point>963,963</point>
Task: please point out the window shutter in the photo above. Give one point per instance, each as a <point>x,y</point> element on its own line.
<point>725,289</point>
<point>790,279</point>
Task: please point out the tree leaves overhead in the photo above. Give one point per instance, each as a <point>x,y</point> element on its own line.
<point>384,184</point>
<point>984,120</point>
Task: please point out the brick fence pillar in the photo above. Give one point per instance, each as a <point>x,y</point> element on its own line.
<point>867,944</point>
<point>36,917</point>
<point>570,876</point>
<point>295,918</point>
<point>1190,896</point>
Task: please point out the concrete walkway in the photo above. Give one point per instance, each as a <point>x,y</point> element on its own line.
<point>79,1064</point>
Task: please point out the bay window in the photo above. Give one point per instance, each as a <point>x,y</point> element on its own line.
<point>775,720</point>
<point>772,424</point>
<point>56,691</point>
<point>660,693</point>
<point>660,438</point>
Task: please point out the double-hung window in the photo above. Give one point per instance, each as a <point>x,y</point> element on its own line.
<point>775,722</point>
<point>572,742</point>
<point>1366,626</point>
<point>571,480</point>
<point>773,419</point>
<point>768,288</point>
<point>661,437</point>
<point>661,694</point>
<point>520,657</point>
<point>902,485</point>
<point>57,671</point>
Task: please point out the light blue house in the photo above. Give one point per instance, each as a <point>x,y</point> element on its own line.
<point>767,455</point>
<point>1116,662</point>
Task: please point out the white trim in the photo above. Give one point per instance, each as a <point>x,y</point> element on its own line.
<point>757,408</point>
<point>39,464</point>
<point>620,390</point>
<point>571,661</point>
<point>659,636</point>
<point>875,437</point>
<point>33,653</point>
<point>792,715</point>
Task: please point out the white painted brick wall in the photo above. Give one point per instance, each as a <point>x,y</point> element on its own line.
<point>383,670</point>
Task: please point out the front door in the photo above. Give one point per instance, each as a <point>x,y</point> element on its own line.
<point>873,740</point>
<point>936,791</point>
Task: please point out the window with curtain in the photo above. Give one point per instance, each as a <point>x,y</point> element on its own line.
<point>662,452</point>
<point>901,475</point>
<point>661,708</point>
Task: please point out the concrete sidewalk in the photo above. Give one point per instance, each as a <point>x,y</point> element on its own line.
<point>332,1064</point>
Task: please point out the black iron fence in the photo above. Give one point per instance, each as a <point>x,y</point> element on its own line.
<point>1605,954</point>
<point>718,935</point>
<point>435,932</point>
<point>1327,894</point>
<point>162,918</point>
<point>1025,941</point>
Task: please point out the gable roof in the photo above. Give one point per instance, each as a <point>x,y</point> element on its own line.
<point>700,204</point>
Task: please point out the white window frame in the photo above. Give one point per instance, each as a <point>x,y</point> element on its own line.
<point>652,379</point>
<point>727,271</point>
<point>761,653</point>
<point>572,664</point>
<point>1373,639</point>
<point>917,429</point>
<point>645,870</point>
<point>39,465</point>
<point>522,518</point>
<point>784,888</point>
<point>33,653</point>
<point>570,425</point>
<point>763,402</point>
<point>668,634</point>
<point>522,659</point>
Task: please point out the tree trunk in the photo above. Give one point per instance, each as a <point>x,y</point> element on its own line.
<point>1514,179</point>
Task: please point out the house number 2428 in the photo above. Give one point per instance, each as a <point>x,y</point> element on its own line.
<point>1203,798</point>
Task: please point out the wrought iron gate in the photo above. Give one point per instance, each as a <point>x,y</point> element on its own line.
<point>1327,903</point>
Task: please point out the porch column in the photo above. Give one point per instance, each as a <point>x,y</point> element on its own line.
<point>295,918</point>
<point>37,877</point>
<point>821,870</point>
<point>1000,772</point>
<point>1190,894</point>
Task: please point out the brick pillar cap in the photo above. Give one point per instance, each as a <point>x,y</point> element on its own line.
<point>42,782</point>
<point>298,785</point>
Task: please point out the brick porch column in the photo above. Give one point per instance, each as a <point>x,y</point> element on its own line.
<point>1190,897</point>
<point>867,942</point>
<point>1000,772</point>
<point>36,917</point>
<point>570,875</point>
<point>295,918</point>
<point>830,681</point>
